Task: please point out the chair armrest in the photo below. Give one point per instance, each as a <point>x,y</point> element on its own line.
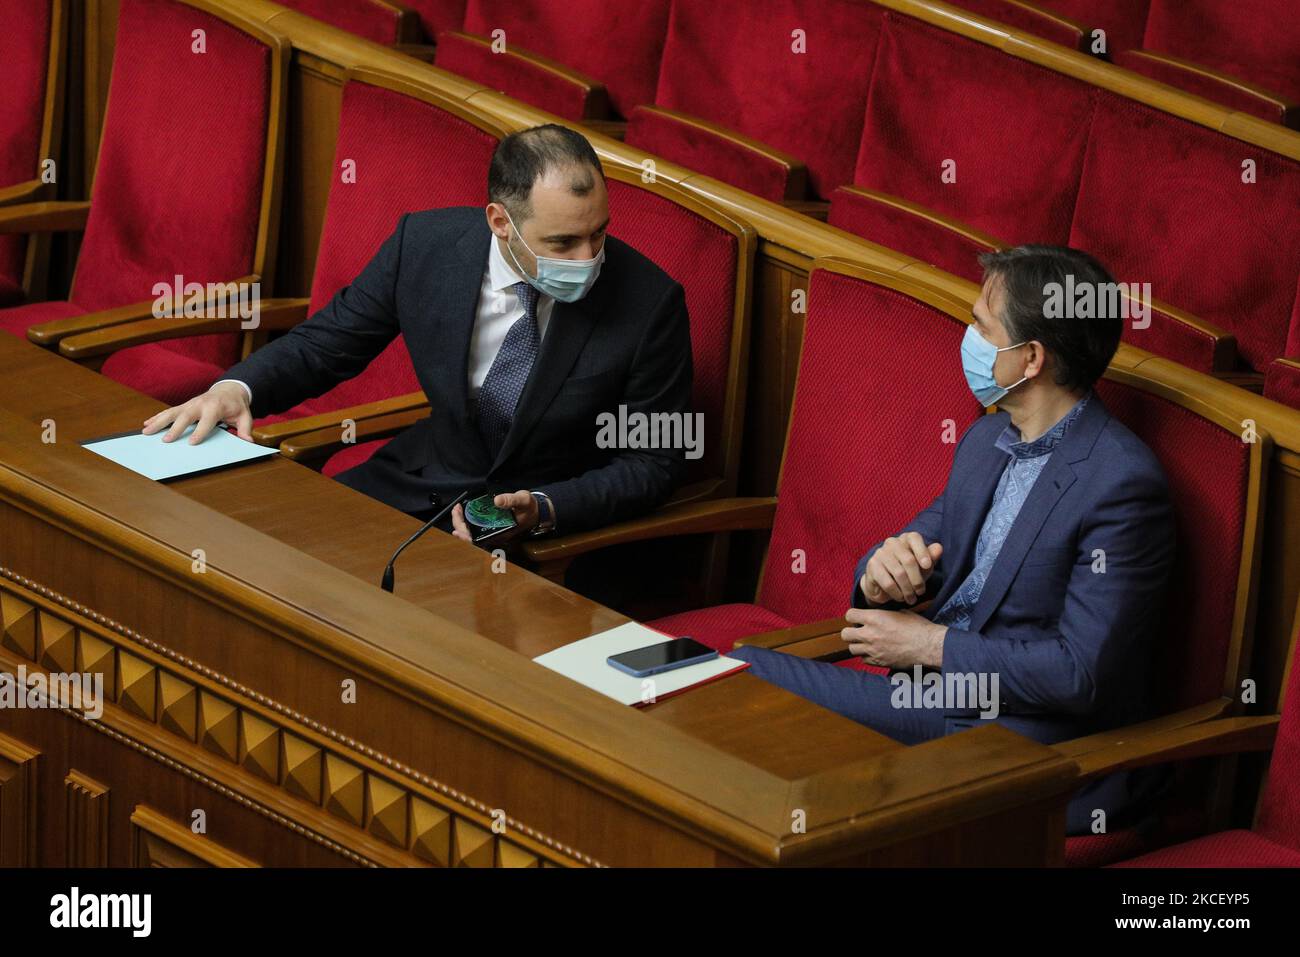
<point>272,314</point>
<point>1187,339</point>
<point>319,444</point>
<point>1282,381</point>
<point>719,152</point>
<point>26,192</point>
<point>525,76</point>
<point>1220,87</point>
<point>51,217</point>
<point>696,518</point>
<point>276,433</point>
<point>53,332</point>
<point>797,633</point>
<point>1186,734</point>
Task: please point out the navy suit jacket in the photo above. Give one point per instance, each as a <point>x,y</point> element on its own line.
<point>627,342</point>
<point>1071,644</point>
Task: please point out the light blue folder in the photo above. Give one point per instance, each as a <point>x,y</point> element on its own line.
<point>153,458</point>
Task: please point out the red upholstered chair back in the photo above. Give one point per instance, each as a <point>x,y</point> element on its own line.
<point>709,260</point>
<point>437,15</point>
<point>1256,40</point>
<point>400,154</point>
<point>1123,20</point>
<point>1212,476</point>
<point>363,18</point>
<point>879,405</point>
<point>182,162</point>
<point>618,44</point>
<point>1183,219</point>
<point>968,131</point>
<point>734,62</point>
<point>1279,804</point>
<point>24,59</point>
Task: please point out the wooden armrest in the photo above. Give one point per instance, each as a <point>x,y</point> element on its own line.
<point>796,171</point>
<point>1171,737</point>
<point>51,217</point>
<point>1223,348</point>
<point>797,633</point>
<point>818,209</point>
<point>1284,110</point>
<point>968,233</point>
<point>272,314</point>
<point>319,444</point>
<point>614,129</point>
<point>592,92</point>
<point>53,332</point>
<point>26,192</point>
<point>697,518</point>
<point>277,432</point>
<point>424,52</point>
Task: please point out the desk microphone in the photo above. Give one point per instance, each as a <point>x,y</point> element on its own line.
<point>387,583</point>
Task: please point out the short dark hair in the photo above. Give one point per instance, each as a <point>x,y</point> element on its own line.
<point>523,157</point>
<point>1081,347</point>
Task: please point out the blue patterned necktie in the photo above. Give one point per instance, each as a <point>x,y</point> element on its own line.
<point>509,372</point>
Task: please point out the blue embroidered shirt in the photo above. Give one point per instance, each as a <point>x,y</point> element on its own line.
<point>1028,459</point>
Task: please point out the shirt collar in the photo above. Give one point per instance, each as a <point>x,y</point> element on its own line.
<point>501,271</point>
<point>1009,440</point>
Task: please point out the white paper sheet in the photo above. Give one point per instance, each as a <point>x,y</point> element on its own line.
<point>153,458</point>
<point>584,661</point>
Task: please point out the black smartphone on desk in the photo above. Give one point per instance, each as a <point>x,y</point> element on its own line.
<point>665,656</point>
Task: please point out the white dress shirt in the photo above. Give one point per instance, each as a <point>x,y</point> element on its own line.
<point>499,308</point>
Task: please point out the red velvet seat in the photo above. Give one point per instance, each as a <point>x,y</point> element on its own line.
<point>24,60</point>
<point>191,209</point>
<point>1209,471</point>
<point>807,104</point>
<point>841,489</point>
<point>616,44</point>
<point>1275,839</point>
<point>1256,40</point>
<point>1184,220</point>
<point>380,23</point>
<point>929,135</point>
<point>394,140</point>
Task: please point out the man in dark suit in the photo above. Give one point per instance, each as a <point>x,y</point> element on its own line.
<point>1043,562</point>
<point>524,325</point>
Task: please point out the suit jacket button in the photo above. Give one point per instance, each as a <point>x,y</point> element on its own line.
<point>435,500</point>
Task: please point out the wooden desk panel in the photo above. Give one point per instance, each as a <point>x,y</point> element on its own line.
<point>452,719</point>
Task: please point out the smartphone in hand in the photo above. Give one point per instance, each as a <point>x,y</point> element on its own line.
<point>487,521</point>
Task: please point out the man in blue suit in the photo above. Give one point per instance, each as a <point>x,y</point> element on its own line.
<point>1043,563</point>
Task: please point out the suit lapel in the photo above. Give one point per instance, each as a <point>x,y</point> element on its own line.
<point>456,288</point>
<point>1048,489</point>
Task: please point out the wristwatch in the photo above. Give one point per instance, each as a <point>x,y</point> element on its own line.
<point>545,515</point>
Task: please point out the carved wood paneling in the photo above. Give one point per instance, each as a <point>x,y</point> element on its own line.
<point>18,803</point>
<point>158,841</point>
<point>86,821</point>
<point>432,823</point>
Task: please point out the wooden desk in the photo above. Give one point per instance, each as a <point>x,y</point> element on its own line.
<point>260,676</point>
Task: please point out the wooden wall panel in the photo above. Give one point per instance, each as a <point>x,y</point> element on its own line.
<point>18,803</point>
<point>86,823</point>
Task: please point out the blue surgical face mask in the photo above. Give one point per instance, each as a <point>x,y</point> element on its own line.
<point>977,358</point>
<point>567,280</point>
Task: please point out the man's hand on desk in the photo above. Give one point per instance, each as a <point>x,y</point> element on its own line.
<point>899,569</point>
<point>894,639</point>
<point>225,402</point>
<point>522,503</point>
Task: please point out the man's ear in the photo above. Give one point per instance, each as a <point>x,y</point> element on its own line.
<point>1037,362</point>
